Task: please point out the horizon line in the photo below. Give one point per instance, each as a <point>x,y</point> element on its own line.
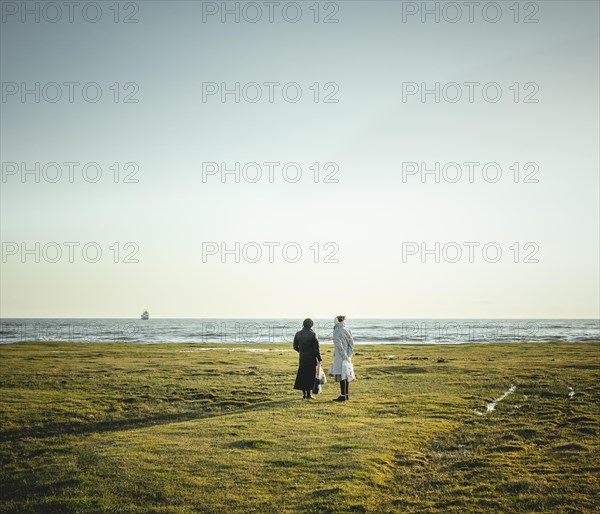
<point>290,317</point>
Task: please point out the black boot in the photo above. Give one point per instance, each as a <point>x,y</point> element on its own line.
<point>343,391</point>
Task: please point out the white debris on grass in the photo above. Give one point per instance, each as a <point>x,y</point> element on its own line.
<point>491,406</point>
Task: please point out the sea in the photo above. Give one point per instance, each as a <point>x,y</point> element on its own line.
<point>261,331</point>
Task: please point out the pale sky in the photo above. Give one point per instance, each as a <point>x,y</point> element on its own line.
<point>370,214</point>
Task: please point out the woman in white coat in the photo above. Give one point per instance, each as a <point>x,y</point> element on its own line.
<point>343,347</point>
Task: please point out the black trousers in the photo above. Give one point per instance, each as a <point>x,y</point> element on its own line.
<point>343,387</point>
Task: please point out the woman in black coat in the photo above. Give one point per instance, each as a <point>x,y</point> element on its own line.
<point>307,345</point>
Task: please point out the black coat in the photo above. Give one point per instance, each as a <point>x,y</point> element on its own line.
<point>307,345</point>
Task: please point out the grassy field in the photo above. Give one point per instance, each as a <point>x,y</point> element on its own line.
<point>212,428</point>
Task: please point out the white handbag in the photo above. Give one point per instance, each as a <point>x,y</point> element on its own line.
<point>348,371</point>
<point>321,375</point>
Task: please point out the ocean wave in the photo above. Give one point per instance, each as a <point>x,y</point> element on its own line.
<point>247,331</point>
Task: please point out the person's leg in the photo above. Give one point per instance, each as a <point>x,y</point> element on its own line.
<point>343,385</point>
<point>347,384</point>
<point>343,390</point>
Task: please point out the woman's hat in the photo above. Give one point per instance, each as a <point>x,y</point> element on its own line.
<point>307,323</point>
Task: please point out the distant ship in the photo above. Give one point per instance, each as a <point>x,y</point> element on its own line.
<point>145,315</point>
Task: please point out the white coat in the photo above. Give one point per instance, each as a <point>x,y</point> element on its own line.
<point>343,346</point>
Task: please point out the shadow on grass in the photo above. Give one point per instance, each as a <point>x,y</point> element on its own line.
<point>57,429</point>
<point>398,370</point>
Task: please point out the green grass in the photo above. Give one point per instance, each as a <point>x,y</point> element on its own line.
<point>183,428</point>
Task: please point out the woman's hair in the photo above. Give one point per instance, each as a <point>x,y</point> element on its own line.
<point>341,318</point>
<point>307,323</point>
